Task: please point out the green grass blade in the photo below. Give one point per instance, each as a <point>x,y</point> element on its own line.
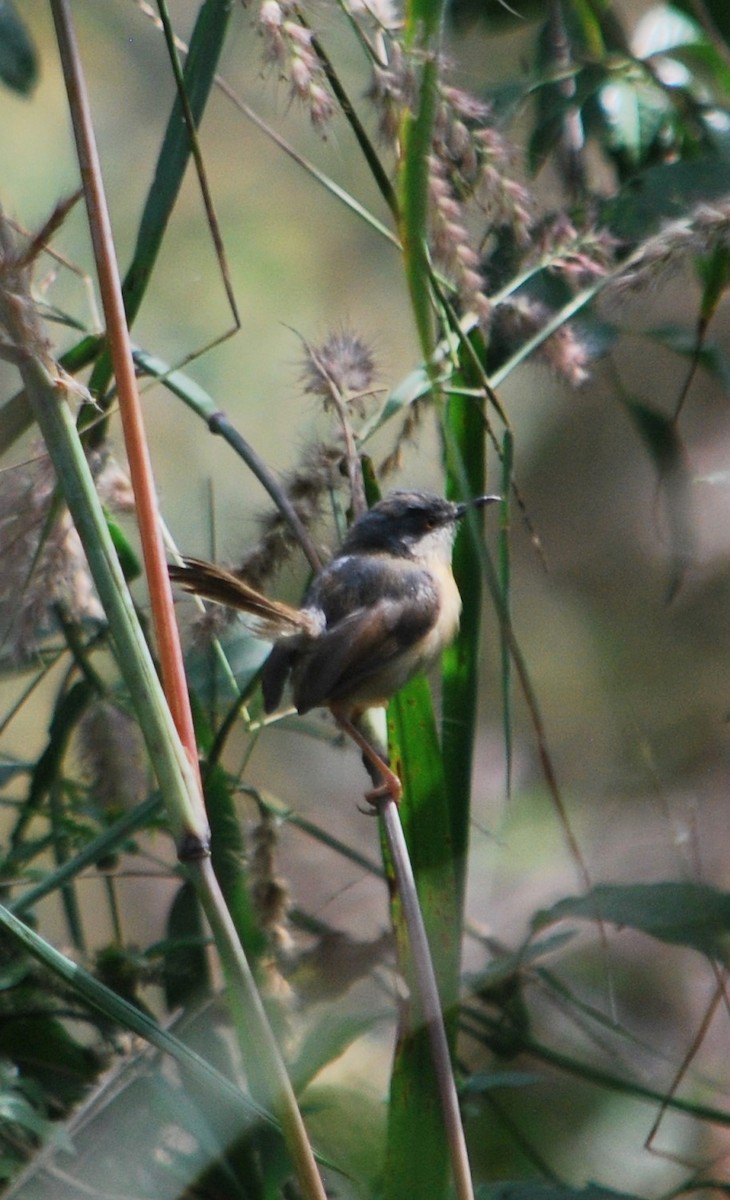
<point>102,846</point>
<point>417,1154</point>
<point>504,583</point>
<point>464,418</point>
<point>128,1016</point>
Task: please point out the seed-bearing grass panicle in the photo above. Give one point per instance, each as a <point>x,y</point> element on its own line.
<point>342,371</point>
<point>578,256</point>
<point>308,487</point>
<point>450,243</point>
<point>44,566</point>
<point>343,361</point>
<point>269,892</point>
<point>271,902</point>
<point>471,167</point>
<point>516,321</point>
<point>706,229</point>
<point>111,749</point>
<point>393,89</point>
<point>289,48</point>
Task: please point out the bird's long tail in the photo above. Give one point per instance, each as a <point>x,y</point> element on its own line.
<point>274,619</point>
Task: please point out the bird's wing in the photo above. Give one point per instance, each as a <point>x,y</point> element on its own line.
<point>365,656</point>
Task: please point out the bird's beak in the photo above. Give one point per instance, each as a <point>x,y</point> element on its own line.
<point>475,502</point>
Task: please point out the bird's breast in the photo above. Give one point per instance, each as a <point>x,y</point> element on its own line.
<point>446,625</point>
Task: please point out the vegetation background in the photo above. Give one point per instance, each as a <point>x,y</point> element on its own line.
<point>571,1054</point>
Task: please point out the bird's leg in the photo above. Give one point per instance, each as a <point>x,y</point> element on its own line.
<point>391,785</point>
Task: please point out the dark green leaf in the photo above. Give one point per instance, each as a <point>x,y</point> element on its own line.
<point>465,418</point>
<point>18,61</point>
<point>44,1051</point>
<point>684,914</point>
<point>502,967</point>
<point>717,10</point>
<point>417,1154</point>
<point>228,858</point>
<point>707,65</point>
<point>661,438</point>
<point>538,1190</point>
<point>491,1080</point>
<point>185,972</point>
<point>668,191</point>
<point>634,112</point>
<point>683,341</point>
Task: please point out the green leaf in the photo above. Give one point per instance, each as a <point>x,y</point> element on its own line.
<point>489,1081</point>
<point>128,561</point>
<point>710,355</point>
<point>663,29</point>
<point>634,113</point>
<point>128,1016</point>
<point>464,419</point>
<point>661,438</point>
<point>18,60</point>
<point>45,1051</point>
<point>17,1109</point>
<point>417,1153</point>
<point>668,191</point>
<point>228,856</point>
<point>185,972</point>
<point>538,1190</point>
<point>717,10</point>
<point>683,914</point>
<point>707,66</point>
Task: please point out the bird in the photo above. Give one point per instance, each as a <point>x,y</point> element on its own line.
<point>381,611</point>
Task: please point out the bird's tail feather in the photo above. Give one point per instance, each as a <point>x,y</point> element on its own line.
<point>273,618</point>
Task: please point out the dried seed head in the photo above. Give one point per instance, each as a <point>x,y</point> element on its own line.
<point>344,360</point>
<point>515,321</point>
<point>269,891</point>
<point>289,46</point>
<point>706,228</point>
<point>392,91</point>
<point>307,487</point>
<point>111,748</point>
<point>450,244</point>
<point>44,565</point>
